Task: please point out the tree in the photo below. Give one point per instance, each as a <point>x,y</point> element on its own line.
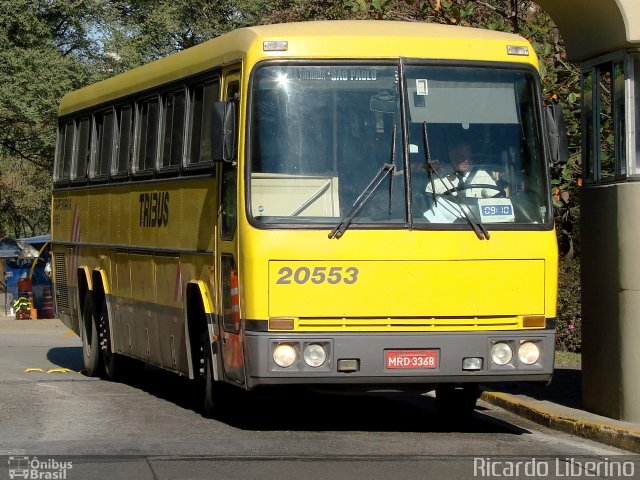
<point>139,31</point>
<point>44,53</point>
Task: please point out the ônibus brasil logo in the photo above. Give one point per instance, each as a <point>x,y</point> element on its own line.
<point>35,469</point>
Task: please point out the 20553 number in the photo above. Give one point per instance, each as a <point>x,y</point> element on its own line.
<point>319,275</point>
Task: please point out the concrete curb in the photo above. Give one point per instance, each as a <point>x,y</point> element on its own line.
<point>568,420</point>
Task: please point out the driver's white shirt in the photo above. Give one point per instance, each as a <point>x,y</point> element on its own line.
<point>448,211</point>
<point>445,182</point>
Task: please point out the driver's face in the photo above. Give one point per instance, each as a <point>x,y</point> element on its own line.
<point>460,158</point>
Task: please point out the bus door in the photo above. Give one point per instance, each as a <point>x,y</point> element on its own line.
<point>230,328</point>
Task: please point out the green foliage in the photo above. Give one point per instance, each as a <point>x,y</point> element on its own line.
<point>139,31</point>
<point>43,54</point>
<point>569,321</point>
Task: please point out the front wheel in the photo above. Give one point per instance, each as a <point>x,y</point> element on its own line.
<point>89,334</point>
<point>212,389</point>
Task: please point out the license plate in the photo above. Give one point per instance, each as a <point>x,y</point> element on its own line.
<point>411,358</point>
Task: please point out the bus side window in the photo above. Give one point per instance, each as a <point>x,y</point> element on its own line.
<point>104,144</point>
<point>124,143</point>
<point>202,97</point>
<point>173,122</point>
<point>147,138</point>
<point>83,148</point>
<point>65,151</point>
<point>230,180</point>
<point>229,210</point>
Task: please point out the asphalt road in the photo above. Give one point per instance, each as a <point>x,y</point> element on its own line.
<point>150,428</point>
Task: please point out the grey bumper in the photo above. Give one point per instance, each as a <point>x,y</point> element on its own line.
<point>369,351</point>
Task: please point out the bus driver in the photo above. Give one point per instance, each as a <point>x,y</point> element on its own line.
<point>453,180</point>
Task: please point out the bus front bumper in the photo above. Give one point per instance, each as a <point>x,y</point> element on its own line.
<point>401,358</point>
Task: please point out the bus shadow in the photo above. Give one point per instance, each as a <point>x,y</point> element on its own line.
<point>66,357</point>
<point>292,408</point>
<point>300,409</point>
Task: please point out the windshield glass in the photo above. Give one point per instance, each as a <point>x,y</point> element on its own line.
<point>319,134</point>
<point>481,126</point>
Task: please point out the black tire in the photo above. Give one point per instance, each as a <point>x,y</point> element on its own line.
<point>93,365</point>
<point>457,403</point>
<point>210,402</point>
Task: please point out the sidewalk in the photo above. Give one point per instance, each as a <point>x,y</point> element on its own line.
<point>559,406</point>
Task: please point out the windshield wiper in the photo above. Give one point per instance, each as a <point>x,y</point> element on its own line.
<point>429,164</point>
<point>479,229</point>
<point>368,191</point>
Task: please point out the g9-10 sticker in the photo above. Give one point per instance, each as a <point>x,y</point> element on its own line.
<point>317,276</point>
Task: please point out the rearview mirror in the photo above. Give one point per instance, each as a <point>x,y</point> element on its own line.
<point>556,134</point>
<point>224,136</point>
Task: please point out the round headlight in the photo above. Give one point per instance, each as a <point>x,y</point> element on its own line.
<point>501,353</point>
<point>529,353</point>
<point>284,355</point>
<point>314,355</point>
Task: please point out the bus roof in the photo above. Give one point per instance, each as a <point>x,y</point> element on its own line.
<point>341,39</point>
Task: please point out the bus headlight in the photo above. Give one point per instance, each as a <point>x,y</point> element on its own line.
<point>501,353</point>
<point>284,355</point>
<point>529,353</point>
<point>315,355</point>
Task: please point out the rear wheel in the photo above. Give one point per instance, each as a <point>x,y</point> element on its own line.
<point>90,344</point>
<point>457,403</point>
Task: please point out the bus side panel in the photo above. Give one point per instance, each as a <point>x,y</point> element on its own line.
<point>169,298</point>
<point>147,343</point>
<point>122,335</point>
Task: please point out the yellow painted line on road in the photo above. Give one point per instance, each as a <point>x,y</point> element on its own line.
<point>51,370</point>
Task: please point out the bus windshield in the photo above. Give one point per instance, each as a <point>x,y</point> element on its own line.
<point>320,133</point>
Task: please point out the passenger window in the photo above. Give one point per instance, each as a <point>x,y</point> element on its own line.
<point>65,151</point>
<point>202,98</point>
<point>124,145</point>
<point>104,144</point>
<point>147,138</point>
<point>173,128</point>
<point>83,148</point>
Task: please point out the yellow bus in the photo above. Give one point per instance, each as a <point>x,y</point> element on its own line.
<point>353,205</point>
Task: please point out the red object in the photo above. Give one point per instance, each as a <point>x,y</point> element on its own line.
<point>46,310</point>
<point>401,359</point>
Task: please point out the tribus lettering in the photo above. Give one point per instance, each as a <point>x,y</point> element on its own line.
<point>154,209</point>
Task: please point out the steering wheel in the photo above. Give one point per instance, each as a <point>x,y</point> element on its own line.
<point>458,188</point>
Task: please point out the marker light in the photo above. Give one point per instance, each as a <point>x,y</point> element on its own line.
<point>501,353</point>
<point>517,50</point>
<point>315,355</point>
<point>275,46</point>
<point>284,355</point>
<point>529,353</point>
<point>472,363</point>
